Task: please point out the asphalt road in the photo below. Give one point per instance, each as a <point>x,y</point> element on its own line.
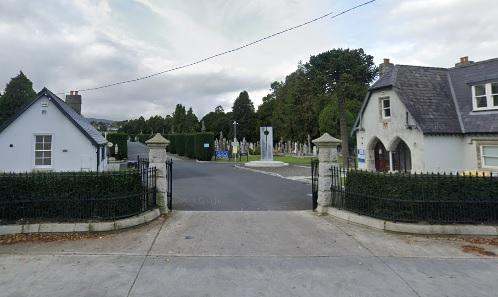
<point>216,186</point>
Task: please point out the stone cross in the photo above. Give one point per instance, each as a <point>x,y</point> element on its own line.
<point>157,158</point>
<point>327,157</point>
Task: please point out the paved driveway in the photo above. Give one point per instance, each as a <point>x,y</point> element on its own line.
<point>218,186</point>
<point>248,253</point>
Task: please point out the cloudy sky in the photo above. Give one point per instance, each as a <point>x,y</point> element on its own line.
<point>68,45</point>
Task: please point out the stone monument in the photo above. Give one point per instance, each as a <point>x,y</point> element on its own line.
<point>266,146</point>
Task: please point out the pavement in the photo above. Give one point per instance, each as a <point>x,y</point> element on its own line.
<point>248,253</point>
<point>136,149</point>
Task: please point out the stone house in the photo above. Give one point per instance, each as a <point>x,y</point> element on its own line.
<point>430,119</point>
<point>50,134</point>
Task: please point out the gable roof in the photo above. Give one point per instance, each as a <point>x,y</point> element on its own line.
<point>78,120</point>
<point>440,99</point>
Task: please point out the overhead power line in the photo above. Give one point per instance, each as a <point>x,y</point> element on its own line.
<point>331,14</point>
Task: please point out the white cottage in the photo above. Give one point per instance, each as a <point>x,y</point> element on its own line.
<point>50,134</point>
<point>418,118</point>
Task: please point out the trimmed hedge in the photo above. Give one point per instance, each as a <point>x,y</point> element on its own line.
<point>191,145</point>
<point>180,144</point>
<point>434,198</point>
<point>121,140</point>
<point>202,153</point>
<point>70,195</point>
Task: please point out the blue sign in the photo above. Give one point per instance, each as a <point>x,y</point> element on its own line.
<point>221,154</point>
<point>206,145</point>
<point>361,156</point>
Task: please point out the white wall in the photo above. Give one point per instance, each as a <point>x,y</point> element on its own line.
<point>446,153</point>
<point>388,130</point>
<point>80,155</point>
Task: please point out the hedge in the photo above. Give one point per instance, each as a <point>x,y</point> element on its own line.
<point>121,140</point>
<point>70,195</point>
<point>204,153</point>
<point>434,198</point>
<point>180,144</point>
<point>172,143</point>
<point>190,145</point>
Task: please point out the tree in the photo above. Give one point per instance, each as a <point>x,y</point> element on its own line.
<point>217,121</point>
<point>18,92</point>
<point>191,121</point>
<point>179,119</point>
<point>243,113</point>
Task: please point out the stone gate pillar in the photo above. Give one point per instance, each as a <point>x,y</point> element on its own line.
<point>327,156</point>
<point>157,158</point>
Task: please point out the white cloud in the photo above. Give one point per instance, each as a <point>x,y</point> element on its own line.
<point>73,45</point>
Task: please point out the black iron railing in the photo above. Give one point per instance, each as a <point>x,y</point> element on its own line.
<point>169,181</point>
<point>429,198</point>
<point>314,183</point>
<point>76,196</point>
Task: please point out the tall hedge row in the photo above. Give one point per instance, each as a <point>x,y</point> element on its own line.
<point>198,146</point>
<point>121,140</point>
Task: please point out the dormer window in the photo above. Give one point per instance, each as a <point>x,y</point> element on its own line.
<point>485,96</point>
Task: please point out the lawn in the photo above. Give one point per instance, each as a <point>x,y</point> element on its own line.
<point>294,160</point>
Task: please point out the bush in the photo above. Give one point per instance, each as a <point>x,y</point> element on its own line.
<point>422,197</point>
<point>70,195</point>
<point>180,144</point>
<point>202,153</point>
<point>121,140</point>
<point>144,137</point>
<point>190,145</point>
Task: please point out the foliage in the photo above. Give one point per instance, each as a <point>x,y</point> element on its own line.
<point>172,143</point>
<point>329,117</point>
<point>190,145</point>
<point>243,113</point>
<point>155,124</point>
<point>121,140</point>
<point>180,144</point>
<point>18,92</point>
<point>422,197</point>
<point>202,153</point>
<point>70,195</point>
<point>218,121</point>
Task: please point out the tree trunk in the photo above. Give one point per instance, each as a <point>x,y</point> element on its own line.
<point>344,132</point>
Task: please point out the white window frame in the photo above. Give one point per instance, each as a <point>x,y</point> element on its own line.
<point>483,163</point>
<point>488,94</point>
<point>43,150</point>
<point>383,109</point>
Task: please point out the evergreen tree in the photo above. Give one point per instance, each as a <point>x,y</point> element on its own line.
<point>191,121</point>
<point>18,92</point>
<point>179,119</point>
<point>243,112</point>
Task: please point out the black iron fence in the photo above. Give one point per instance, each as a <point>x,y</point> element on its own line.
<point>429,198</point>
<point>314,183</point>
<point>76,196</point>
<point>169,180</point>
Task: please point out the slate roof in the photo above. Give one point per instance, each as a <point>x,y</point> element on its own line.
<point>440,99</point>
<point>78,120</point>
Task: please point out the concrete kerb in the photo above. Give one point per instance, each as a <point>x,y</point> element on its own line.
<point>140,219</point>
<point>457,229</point>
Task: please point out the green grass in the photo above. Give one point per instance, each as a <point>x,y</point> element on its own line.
<point>286,159</point>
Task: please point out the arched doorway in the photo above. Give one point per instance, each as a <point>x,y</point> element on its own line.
<point>402,159</point>
<point>381,157</point>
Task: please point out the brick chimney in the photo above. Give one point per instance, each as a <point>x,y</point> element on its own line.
<point>464,61</point>
<point>385,67</point>
<point>74,101</point>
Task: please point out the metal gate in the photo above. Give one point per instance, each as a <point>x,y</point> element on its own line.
<point>169,182</point>
<point>314,183</point>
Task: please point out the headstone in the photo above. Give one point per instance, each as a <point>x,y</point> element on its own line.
<point>243,147</point>
<point>203,128</point>
<point>315,151</point>
<point>266,140</point>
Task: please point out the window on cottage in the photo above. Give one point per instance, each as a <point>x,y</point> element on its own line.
<point>386,108</point>
<point>43,150</point>
<point>489,155</point>
<point>485,96</point>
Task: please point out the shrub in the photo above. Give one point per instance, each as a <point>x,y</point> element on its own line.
<point>121,140</point>
<point>422,197</point>
<point>172,143</point>
<point>190,145</point>
<point>70,195</point>
<point>202,153</point>
<point>180,144</point>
